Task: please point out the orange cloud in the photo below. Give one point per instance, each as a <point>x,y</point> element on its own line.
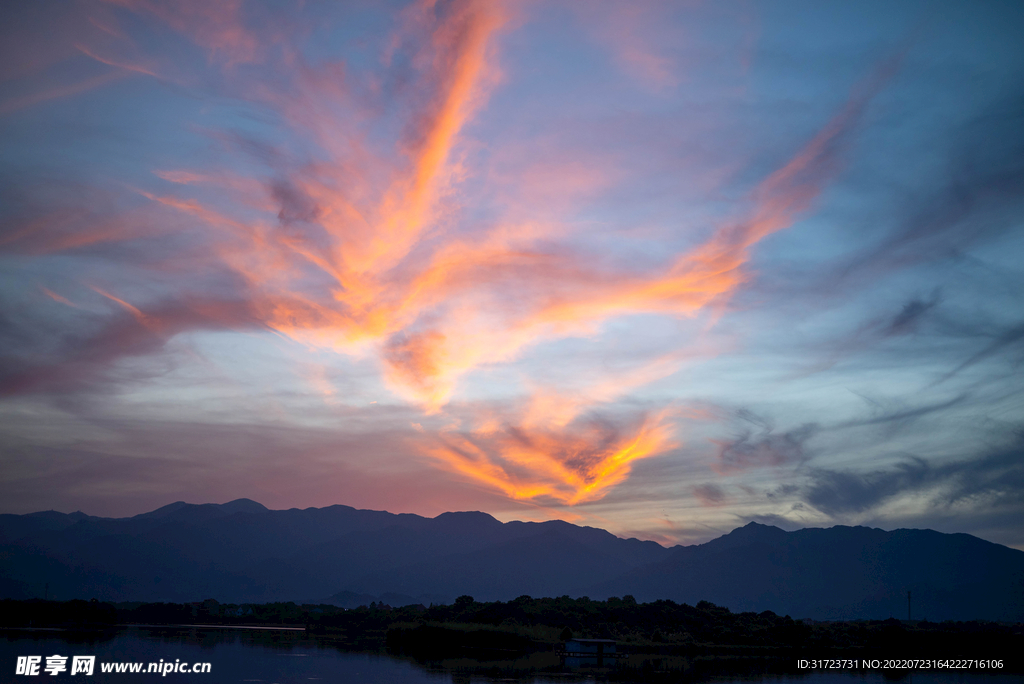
<point>557,294</point>
<point>145,321</point>
<point>358,253</point>
<point>567,465</point>
<point>57,298</point>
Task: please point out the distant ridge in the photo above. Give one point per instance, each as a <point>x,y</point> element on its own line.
<point>180,508</point>
<point>243,552</point>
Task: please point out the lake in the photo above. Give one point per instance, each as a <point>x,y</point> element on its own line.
<point>290,657</point>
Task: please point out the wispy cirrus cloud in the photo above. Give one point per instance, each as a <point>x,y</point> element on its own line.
<point>992,479</point>
<point>559,262</point>
<point>359,247</point>
<point>765,449</point>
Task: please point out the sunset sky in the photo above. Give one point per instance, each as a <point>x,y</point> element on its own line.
<point>662,268</point>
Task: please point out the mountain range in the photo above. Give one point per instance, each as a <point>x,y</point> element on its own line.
<point>241,552</point>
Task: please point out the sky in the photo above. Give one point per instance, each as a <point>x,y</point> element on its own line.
<point>663,268</point>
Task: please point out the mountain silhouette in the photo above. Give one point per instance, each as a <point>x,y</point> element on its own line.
<point>242,552</point>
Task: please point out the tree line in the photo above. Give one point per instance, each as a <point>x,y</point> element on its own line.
<point>541,623</point>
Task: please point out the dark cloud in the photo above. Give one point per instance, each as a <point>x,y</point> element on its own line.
<point>783,490</point>
<point>901,415</point>
<point>296,206</point>
<point>979,198</point>
<point>997,478</point>
<point>879,329</point>
<point>79,356</point>
<point>1006,339</point>
<point>907,320</point>
<point>975,196</point>
<point>709,494</point>
<point>993,480</point>
<point>764,449</point>
<point>836,492</point>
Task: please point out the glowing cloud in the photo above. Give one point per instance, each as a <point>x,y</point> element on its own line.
<point>567,465</point>
<point>360,247</point>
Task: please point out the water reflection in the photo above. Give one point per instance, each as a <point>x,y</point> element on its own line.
<point>235,656</point>
<point>288,657</point>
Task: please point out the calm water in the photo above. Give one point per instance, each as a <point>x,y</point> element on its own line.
<point>290,657</point>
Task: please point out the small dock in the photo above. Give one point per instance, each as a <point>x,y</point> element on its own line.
<point>589,653</point>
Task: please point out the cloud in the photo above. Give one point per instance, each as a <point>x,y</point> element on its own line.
<point>763,450</point>
<point>439,311</point>
<point>1006,339</point>
<point>219,27</point>
<point>993,479</point>
<point>572,464</point>
<point>978,197</point>
<point>876,331</point>
<point>59,92</point>
<point>351,238</point>
<point>782,491</point>
<point>83,359</point>
<point>835,492</point>
<point>635,36</point>
<point>934,233</point>
<point>709,494</point>
<point>886,413</point>
<point>908,319</point>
